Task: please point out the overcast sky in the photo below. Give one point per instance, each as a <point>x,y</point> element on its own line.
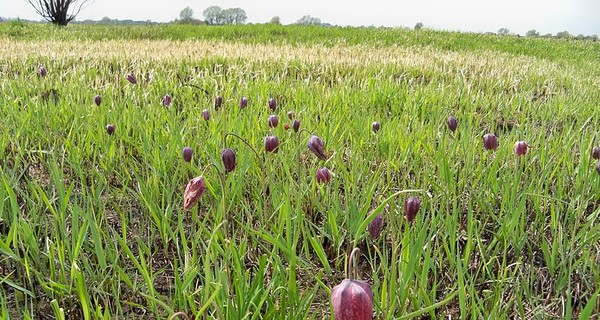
<point>546,16</point>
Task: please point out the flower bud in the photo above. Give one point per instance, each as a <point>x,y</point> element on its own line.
<point>193,191</point>
<point>520,148</point>
<point>272,104</point>
<point>98,100</point>
<point>271,144</point>
<point>131,78</point>
<point>228,157</point>
<point>375,126</point>
<point>243,102</point>
<point>411,207</point>
<point>352,300</point>
<point>596,153</point>
<point>273,121</point>
<point>323,175</point>
<point>375,227</point>
<point>286,126</point>
<point>206,114</point>
<point>452,123</point>
<point>166,101</point>
<point>218,102</point>
<point>490,142</point>
<point>187,154</point>
<point>296,125</point>
<point>290,115</point>
<point>317,146</point>
<point>110,129</point>
<point>42,71</point>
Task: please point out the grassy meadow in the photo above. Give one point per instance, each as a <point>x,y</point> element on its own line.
<point>92,224</point>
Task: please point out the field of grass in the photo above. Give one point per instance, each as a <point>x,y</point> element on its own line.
<point>92,225</point>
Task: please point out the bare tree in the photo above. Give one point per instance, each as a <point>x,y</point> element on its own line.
<point>59,12</point>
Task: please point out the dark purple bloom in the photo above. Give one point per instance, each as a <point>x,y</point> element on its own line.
<point>272,104</point>
<point>521,148</point>
<point>110,129</point>
<point>317,146</point>
<point>596,153</point>
<point>375,126</point>
<point>206,114</point>
<point>375,227</point>
<point>98,100</point>
<point>352,300</point>
<point>218,102</point>
<point>296,125</point>
<point>290,115</point>
<point>228,157</point>
<point>243,102</point>
<point>411,207</point>
<point>166,101</point>
<point>271,144</point>
<point>42,71</point>
<point>490,142</point>
<point>323,175</point>
<point>452,123</point>
<point>193,191</point>
<point>187,154</point>
<point>131,78</point>
<point>273,121</point>
<point>598,167</point>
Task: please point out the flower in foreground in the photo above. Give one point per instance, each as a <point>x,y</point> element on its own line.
<point>352,299</point>
<point>596,153</point>
<point>317,146</point>
<point>296,125</point>
<point>193,191</point>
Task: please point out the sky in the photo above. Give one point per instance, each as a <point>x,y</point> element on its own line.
<point>519,16</point>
